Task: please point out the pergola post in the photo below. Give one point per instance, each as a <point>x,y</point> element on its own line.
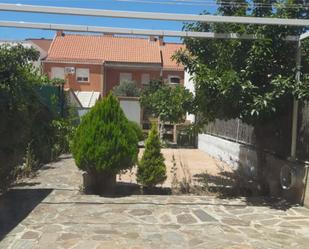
<point>295,103</point>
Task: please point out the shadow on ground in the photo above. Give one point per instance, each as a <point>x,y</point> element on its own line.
<point>231,185</point>
<point>16,204</point>
<point>123,189</point>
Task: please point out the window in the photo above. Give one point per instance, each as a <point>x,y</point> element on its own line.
<point>82,74</point>
<point>125,77</point>
<point>173,79</point>
<point>57,72</point>
<point>145,78</point>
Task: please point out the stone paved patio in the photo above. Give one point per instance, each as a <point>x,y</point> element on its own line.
<point>49,212</point>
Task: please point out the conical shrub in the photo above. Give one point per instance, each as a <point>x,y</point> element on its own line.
<point>151,168</point>
<point>104,141</point>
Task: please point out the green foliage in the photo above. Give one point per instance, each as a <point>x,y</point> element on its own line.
<point>26,133</point>
<point>169,103</point>
<point>104,141</point>
<point>137,129</point>
<point>151,169</point>
<point>23,118</point>
<point>64,133</point>
<point>249,79</point>
<point>127,89</point>
<point>57,82</point>
<point>30,162</point>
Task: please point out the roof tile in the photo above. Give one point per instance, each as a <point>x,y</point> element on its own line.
<point>101,48</point>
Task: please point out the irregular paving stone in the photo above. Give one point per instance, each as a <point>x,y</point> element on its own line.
<point>203,216</point>
<point>30,235</point>
<point>194,242</point>
<point>66,244</point>
<point>131,235</point>
<point>154,237</point>
<point>173,237</point>
<point>24,244</point>
<point>269,222</point>
<point>235,222</point>
<point>165,218</point>
<point>228,229</point>
<point>186,219</point>
<point>86,245</point>
<point>103,231</point>
<point>140,212</point>
<point>68,236</point>
<point>47,240</point>
<point>178,210</point>
<point>244,246</point>
<point>149,221</point>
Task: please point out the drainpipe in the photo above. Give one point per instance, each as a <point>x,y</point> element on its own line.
<point>104,80</point>
<point>295,103</point>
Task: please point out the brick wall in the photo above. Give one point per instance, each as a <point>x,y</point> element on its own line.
<point>95,76</point>
<point>113,76</point>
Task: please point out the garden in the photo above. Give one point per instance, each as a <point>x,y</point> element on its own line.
<point>36,125</point>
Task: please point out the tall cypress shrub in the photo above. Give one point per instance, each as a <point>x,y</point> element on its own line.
<point>104,143</point>
<point>151,168</point>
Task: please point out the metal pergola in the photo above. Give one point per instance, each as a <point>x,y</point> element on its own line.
<point>167,33</point>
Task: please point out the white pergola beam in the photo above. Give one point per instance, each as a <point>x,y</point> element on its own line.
<point>304,36</point>
<point>152,15</point>
<point>125,31</point>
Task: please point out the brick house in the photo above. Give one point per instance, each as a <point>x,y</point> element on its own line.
<point>100,62</point>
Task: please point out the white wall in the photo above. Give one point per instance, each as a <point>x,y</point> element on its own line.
<point>230,152</point>
<point>188,83</point>
<point>132,109</point>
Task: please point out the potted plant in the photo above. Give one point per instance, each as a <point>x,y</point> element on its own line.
<point>104,144</point>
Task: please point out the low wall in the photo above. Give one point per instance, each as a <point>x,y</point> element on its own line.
<point>236,155</point>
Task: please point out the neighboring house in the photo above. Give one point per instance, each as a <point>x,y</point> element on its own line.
<point>97,63</point>
<point>100,62</point>
<point>42,45</point>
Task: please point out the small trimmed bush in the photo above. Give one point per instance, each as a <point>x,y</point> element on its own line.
<point>126,88</point>
<point>151,168</point>
<point>137,129</point>
<point>104,142</point>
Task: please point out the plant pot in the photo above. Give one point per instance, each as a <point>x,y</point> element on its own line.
<point>99,183</point>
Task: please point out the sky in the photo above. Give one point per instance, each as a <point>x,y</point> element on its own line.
<point>167,6</point>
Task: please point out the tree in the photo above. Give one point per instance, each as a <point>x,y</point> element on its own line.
<point>104,144</point>
<point>253,80</point>
<point>168,103</point>
<point>137,129</point>
<point>151,169</point>
<point>25,123</point>
<point>127,89</point>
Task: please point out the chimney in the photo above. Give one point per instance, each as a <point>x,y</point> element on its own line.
<point>59,33</point>
<point>152,38</point>
<point>161,41</point>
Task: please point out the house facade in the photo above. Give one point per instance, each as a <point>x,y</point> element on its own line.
<point>100,62</point>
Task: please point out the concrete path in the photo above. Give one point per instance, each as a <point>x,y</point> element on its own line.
<point>48,211</point>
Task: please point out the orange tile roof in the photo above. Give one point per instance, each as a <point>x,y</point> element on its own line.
<point>44,44</point>
<point>167,52</point>
<point>106,48</point>
<point>102,48</point>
